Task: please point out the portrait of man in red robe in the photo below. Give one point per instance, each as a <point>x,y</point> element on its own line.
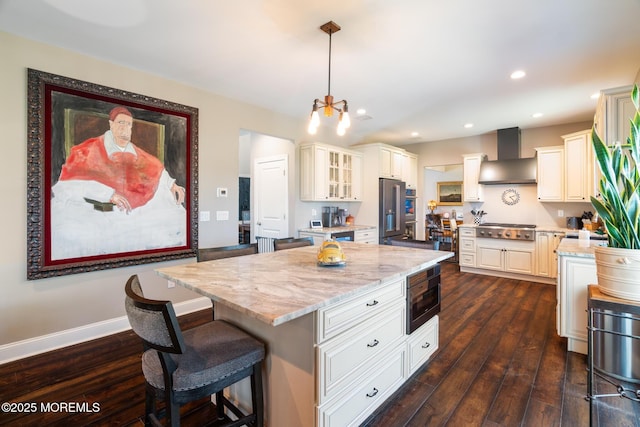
<point>112,197</point>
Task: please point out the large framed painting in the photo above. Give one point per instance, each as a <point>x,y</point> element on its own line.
<point>450,193</point>
<point>112,177</point>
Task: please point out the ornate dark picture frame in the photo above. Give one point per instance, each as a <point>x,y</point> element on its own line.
<point>70,232</point>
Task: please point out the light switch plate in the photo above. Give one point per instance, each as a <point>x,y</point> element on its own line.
<point>205,216</point>
<point>222,215</point>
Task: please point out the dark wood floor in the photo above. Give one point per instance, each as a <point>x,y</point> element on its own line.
<point>500,363</point>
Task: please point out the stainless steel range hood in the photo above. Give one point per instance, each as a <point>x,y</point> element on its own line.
<point>510,168</point>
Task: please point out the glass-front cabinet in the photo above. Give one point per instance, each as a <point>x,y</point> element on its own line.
<point>329,173</point>
<point>334,175</point>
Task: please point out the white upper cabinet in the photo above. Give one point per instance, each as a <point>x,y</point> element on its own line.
<point>410,170</point>
<point>613,115</point>
<point>568,173</point>
<point>578,167</point>
<point>329,173</point>
<point>551,174</point>
<point>471,174</point>
<point>393,162</point>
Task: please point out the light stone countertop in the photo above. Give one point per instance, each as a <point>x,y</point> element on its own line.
<point>574,247</point>
<point>340,229</point>
<point>280,286</point>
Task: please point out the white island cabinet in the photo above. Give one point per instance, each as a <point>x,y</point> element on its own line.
<point>576,271</point>
<point>336,340</point>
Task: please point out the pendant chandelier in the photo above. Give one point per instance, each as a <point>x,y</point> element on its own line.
<point>328,105</point>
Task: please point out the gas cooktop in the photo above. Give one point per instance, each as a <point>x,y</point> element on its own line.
<point>496,230</point>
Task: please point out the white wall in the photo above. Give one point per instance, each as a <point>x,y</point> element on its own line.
<point>30,309</point>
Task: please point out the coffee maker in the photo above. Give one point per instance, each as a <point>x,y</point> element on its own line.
<point>342,215</point>
<point>333,216</point>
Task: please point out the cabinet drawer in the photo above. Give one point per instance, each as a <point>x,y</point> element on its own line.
<point>342,316</point>
<point>467,244</point>
<point>467,232</point>
<point>467,259</point>
<point>354,407</point>
<point>422,344</point>
<point>366,236</point>
<point>343,359</point>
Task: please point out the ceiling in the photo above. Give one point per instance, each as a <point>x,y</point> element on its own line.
<point>426,66</point>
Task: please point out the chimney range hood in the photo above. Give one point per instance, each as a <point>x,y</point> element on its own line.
<point>510,168</point>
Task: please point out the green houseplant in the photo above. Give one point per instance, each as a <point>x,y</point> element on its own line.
<point>618,265</point>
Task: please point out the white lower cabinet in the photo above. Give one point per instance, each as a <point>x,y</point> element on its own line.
<point>505,255</point>
<point>546,244</point>
<point>353,406</point>
<point>348,314</point>
<point>347,358</point>
<point>369,235</point>
<point>421,344</point>
<point>363,353</point>
<point>576,273</point>
<point>467,246</point>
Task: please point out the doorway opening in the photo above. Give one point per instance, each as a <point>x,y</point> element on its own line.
<point>263,202</point>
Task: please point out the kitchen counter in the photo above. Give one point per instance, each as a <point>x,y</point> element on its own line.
<point>337,229</point>
<point>575,247</point>
<point>277,287</point>
<point>335,337</point>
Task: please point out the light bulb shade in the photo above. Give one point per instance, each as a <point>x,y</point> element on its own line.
<point>312,129</point>
<point>345,120</point>
<point>341,130</point>
<point>315,118</point>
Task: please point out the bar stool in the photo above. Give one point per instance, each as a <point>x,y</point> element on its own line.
<point>182,367</point>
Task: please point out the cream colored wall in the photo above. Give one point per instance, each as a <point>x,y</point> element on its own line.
<point>31,309</point>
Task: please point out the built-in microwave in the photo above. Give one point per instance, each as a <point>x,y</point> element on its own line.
<point>423,297</point>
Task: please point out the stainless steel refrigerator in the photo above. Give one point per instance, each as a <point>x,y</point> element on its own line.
<point>391,216</point>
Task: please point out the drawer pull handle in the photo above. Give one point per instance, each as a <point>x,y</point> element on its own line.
<point>373,344</point>
<point>426,345</point>
<point>372,393</point>
<point>371,304</point>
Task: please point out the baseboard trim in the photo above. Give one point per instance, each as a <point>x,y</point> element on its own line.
<point>42,344</point>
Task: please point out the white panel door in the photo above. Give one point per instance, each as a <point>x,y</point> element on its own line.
<point>271,197</point>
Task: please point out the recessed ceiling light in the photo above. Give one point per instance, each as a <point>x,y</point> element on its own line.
<point>536,115</point>
<point>361,111</point>
<point>595,95</point>
<point>414,134</point>
<point>468,125</point>
<point>518,74</point>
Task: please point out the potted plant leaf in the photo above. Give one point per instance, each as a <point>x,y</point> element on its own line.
<point>618,265</point>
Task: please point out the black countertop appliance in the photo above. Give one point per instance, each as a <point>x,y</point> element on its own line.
<point>574,223</point>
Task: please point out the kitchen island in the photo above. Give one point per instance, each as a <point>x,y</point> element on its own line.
<point>335,336</point>
<point>576,271</point>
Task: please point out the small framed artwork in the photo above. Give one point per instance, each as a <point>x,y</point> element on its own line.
<point>450,193</point>
<point>112,177</point>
